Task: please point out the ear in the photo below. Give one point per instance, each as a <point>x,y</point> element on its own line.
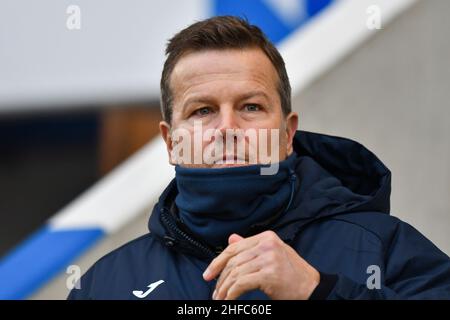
<point>164,128</point>
<point>291,129</point>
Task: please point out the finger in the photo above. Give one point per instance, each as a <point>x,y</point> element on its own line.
<point>237,273</point>
<point>234,238</point>
<point>244,284</point>
<point>217,265</point>
<point>235,262</point>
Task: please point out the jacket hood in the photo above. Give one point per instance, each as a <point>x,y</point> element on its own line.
<point>335,176</point>
<point>342,170</point>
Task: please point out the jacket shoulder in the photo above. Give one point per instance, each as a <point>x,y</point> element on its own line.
<point>380,224</point>
<point>129,248</point>
<point>386,228</point>
<point>128,257</point>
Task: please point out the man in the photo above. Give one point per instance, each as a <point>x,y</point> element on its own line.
<point>316,227</point>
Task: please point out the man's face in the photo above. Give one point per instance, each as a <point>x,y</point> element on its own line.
<point>218,92</point>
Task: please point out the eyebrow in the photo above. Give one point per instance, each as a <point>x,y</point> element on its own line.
<point>252,94</point>
<point>209,98</point>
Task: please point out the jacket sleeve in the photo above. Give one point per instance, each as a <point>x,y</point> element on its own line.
<point>414,269</point>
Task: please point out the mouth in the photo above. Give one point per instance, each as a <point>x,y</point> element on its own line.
<point>230,161</point>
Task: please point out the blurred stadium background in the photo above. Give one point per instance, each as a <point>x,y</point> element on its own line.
<point>81,162</point>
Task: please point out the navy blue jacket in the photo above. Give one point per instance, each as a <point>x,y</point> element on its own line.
<point>339,222</point>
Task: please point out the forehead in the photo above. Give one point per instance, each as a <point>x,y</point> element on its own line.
<point>209,69</point>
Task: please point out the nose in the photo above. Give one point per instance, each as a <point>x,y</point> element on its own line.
<point>228,119</point>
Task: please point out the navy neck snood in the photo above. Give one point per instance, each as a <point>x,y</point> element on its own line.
<point>216,202</point>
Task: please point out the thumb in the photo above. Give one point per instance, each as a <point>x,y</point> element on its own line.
<point>234,238</point>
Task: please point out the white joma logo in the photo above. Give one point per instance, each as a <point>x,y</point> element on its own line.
<point>152,286</point>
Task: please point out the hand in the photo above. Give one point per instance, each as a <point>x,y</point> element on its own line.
<point>261,262</point>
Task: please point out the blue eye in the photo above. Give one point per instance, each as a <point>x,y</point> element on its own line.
<point>202,111</point>
<point>252,107</point>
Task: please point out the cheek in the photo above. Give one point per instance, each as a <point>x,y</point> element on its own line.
<point>271,121</point>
